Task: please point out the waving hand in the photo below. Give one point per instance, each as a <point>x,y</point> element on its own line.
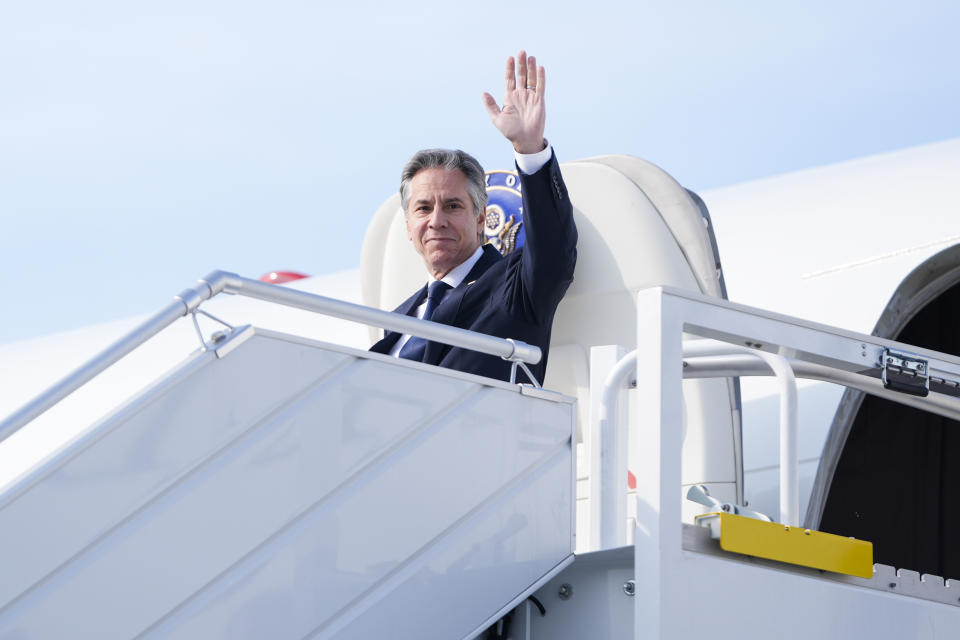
<point>523,116</point>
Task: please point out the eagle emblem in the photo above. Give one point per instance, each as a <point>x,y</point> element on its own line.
<point>503,225</point>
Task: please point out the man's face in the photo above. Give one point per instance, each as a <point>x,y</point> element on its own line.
<point>441,221</point>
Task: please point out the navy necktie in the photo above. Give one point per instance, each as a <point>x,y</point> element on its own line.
<point>416,347</point>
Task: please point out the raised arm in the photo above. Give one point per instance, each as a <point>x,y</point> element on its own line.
<point>547,260</point>
<point>522,118</point>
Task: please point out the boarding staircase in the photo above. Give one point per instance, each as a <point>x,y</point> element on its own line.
<point>273,486</point>
<point>276,486</point>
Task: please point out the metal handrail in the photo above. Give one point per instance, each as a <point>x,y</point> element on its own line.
<point>224,282</point>
<point>181,305</point>
<point>714,359</point>
<point>789,422</point>
<point>730,366</point>
<point>612,476</point>
<point>514,350</point>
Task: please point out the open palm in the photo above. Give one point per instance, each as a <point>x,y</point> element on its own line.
<point>523,115</point>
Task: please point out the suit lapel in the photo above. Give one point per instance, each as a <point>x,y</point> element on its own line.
<point>448,311</point>
<point>449,308</point>
<point>489,258</point>
<point>407,307</point>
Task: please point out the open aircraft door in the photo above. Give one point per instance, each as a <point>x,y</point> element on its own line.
<point>637,228</point>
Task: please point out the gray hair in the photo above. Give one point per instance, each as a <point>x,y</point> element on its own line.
<point>447,159</point>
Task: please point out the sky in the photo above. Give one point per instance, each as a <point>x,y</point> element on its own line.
<point>143,145</point>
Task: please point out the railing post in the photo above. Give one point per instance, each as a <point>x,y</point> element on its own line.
<point>602,361</point>
<point>656,448</point>
<point>789,422</point>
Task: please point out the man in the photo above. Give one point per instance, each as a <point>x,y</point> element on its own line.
<point>443,194</point>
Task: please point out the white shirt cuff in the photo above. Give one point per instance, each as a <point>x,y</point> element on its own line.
<point>530,163</point>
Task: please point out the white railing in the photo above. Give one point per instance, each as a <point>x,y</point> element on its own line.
<point>609,492</point>
<point>782,346</point>
<point>663,317</point>
<point>216,282</point>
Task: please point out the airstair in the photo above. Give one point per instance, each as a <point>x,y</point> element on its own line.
<point>680,579</point>
<point>275,486</point>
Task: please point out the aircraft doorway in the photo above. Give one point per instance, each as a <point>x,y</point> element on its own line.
<point>897,480</point>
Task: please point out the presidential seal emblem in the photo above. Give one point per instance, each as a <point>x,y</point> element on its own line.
<point>503,225</point>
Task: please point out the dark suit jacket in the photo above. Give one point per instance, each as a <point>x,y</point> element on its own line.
<point>513,296</point>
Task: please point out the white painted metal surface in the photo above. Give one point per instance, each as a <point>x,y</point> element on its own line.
<point>787,385</point>
<point>292,489</point>
<point>834,244</point>
<point>759,601</point>
<point>189,301</point>
<point>32,366</point>
<point>609,433</point>
<point>610,479</point>
<point>734,596</point>
<point>680,594</point>
<point>587,600</point>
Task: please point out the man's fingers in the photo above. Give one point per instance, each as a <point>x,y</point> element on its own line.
<point>522,69</point>
<point>491,105</point>
<point>531,73</point>
<point>511,75</point>
<point>541,81</point>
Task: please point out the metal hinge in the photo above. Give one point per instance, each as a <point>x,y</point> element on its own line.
<point>905,372</point>
<point>700,494</point>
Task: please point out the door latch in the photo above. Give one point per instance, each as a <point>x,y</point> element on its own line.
<point>905,372</point>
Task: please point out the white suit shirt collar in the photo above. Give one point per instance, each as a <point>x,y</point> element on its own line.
<point>459,272</point>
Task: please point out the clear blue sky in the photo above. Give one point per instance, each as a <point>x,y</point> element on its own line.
<point>143,145</point>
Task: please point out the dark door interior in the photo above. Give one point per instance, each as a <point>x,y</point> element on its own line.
<point>897,483</point>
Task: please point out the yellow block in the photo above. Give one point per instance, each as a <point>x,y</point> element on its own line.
<point>794,545</point>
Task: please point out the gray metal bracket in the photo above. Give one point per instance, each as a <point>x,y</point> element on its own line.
<point>905,372</point>
<point>216,337</point>
<point>701,495</point>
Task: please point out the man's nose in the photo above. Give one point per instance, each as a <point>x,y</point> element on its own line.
<point>438,218</point>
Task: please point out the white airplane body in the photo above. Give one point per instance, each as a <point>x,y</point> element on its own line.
<point>834,245</point>
<point>845,245</point>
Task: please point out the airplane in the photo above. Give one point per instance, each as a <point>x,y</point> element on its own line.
<point>858,256</point>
